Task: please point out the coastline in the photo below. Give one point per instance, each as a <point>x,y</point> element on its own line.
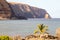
<point>42,35</point>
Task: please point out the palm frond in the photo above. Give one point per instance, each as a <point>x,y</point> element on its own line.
<point>36,31</point>
<point>41,28</point>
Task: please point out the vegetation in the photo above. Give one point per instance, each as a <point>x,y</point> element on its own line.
<point>4,37</point>
<point>41,29</point>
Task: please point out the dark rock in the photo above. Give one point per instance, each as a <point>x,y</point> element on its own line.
<point>5,11</point>
<point>20,11</point>
<point>28,11</point>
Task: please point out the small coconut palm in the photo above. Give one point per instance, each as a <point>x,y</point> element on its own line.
<point>41,29</point>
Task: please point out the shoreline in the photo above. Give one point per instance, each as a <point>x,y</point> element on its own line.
<point>33,37</point>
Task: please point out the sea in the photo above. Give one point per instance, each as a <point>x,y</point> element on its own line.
<point>27,27</point>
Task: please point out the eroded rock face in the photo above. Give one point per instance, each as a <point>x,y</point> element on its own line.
<point>20,11</point>
<point>5,11</point>
<point>28,11</point>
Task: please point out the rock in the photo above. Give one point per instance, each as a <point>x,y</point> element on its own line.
<point>46,16</point>
<point>25,10</point>
<point>5,11</point>
<point>58,33</point>
<point>23,39</point>
<point>20,11</point>
<point>17,37</point>
<point>31,37</point>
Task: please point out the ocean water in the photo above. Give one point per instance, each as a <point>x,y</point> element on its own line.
<point>26,27</point>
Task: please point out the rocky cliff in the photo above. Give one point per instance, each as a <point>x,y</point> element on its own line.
<point>5,10</point>
<point>28,11</point>
<point>13,10</point>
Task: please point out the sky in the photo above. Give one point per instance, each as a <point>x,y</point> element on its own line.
<point>51,6</point>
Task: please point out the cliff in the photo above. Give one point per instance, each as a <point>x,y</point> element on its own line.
<point>5,10</point>
<point>13,10</point>
<point>25,10</point>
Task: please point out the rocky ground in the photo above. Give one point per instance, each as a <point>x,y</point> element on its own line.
<point>36,37</point>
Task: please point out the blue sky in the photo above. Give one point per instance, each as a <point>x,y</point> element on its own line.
<point>51,6</point>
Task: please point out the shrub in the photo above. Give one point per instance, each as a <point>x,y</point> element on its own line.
<point>4,37</point>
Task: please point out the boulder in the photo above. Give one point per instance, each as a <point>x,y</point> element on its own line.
<point>58,33</point>
<point>17,37</point>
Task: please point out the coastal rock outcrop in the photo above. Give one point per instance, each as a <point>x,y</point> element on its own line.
<point>13,10</point>
<point>41,37</point>
<point>25,10</point>
<point>5,10</point>
<point>58,33</point>
<point>17,37</point>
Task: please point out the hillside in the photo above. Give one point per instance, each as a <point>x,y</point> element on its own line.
<point>14,10</point>
<point>5,10</point>
<point>25,10</point>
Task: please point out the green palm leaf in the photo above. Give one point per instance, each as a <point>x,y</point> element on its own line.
<point>41,28</point>
<point>35,31</point>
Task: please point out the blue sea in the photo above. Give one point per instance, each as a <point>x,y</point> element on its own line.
<point>26,27</point>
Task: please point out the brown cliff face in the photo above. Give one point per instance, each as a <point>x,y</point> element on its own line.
<point>20,11</point>
<point>46,16</point>
<point>5,11</point>
<point>25,10</point>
